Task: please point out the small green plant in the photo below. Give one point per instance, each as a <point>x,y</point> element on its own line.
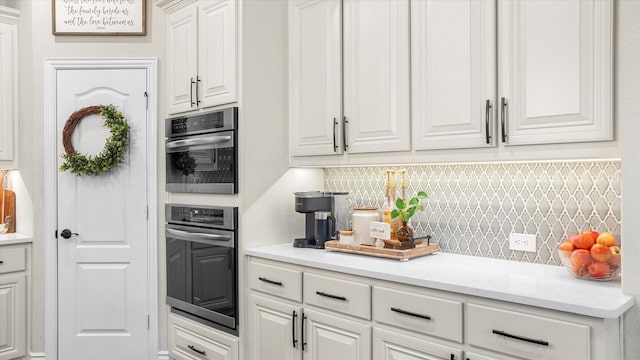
<point>406,212</point>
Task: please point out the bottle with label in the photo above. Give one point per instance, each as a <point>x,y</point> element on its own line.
<point>389,204</point>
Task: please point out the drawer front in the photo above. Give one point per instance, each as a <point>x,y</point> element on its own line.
<point>13,260</point>
<point>275,280</point>
<point>424,314</point>
<point>529,336</point>
<point>344,296</point>
<point>192,341</point>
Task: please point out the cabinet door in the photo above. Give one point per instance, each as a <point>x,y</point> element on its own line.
<point>217,29</point>
<point>274,331</point>
<point>13,315</point>
<point>475,356</point>
<point>330,337</point>
<point>191,341</point>
<point>453,70</point>
<point>182,59</point>
<point>391,345</point>
<point>376,75</point>
<point>8,87</point>
<point>315,78</point>
<point>555,68</point>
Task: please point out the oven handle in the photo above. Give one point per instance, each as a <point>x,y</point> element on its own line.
<point>209,140</point>
<point>221,240</point>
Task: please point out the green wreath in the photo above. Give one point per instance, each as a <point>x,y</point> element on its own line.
<point>114,149</point>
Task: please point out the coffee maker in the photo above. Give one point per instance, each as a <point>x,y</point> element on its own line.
<point>321,209</point>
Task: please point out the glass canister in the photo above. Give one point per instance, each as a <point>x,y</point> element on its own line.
<point>360,221</point>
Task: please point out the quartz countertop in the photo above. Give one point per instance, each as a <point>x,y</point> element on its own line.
<point>545,286</point>
<point>15,238</point>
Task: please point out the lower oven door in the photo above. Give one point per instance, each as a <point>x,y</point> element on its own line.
<point>201,273</point>
<point>202,164</point>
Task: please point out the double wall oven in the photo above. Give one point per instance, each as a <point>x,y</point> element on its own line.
<point>202,264</point>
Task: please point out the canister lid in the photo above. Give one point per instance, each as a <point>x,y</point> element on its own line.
<point>366,208</point>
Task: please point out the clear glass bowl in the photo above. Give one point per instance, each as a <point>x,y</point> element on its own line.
<point>578,266</point>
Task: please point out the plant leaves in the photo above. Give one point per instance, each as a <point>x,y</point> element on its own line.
<point>422,195</point>
<point>400,204</point>
<point>394,213</point>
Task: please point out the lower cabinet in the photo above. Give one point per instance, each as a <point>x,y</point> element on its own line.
<point>189,340</point>
<point>14,267</point>
<point>297,312</point>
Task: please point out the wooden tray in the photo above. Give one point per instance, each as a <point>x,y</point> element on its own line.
<point>370,250</point>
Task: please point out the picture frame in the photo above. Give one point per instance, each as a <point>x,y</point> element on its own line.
<point>99,17</point>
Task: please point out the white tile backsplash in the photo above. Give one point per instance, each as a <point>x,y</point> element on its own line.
<point>472,208</point>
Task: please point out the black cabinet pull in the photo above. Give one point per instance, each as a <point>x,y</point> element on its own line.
<point>453,357</point>
<point>293,328</point>
<point>405,312</point>
<point>335,144</point>
<point>344,133</point>
<point>191,92</point>
<point>193,348</point>
<point>331,296</point>
<point>197,96</point>
<point>503,120</point>
<point>270,281</point>
<point>304,340</point>
<point>487,135</point>
<point>1,262</point>
<point>521,338</point>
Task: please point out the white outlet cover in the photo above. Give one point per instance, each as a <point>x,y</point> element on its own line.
<point>522,242</point>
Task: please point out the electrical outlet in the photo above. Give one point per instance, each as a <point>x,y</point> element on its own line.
<point>522,242</point>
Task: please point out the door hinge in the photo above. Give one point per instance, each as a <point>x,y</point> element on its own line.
<point>146,98</point>
<point>148,322</point>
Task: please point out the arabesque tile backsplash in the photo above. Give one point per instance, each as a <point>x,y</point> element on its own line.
<point>472,208</point>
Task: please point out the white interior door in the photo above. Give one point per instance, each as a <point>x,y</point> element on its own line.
<point>102,271</point>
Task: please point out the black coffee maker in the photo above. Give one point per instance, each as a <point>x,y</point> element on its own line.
<point>320,225</point>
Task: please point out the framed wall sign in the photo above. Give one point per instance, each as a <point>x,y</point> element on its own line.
<point>98,17</point>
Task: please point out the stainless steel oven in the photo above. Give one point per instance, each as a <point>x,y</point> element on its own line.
<point>202,152</point>
<point>202,261</point>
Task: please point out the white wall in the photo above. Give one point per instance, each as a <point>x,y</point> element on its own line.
<point>36,44</point>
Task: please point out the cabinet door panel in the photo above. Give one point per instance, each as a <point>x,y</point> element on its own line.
<point>376,75</point>
<point>391,345</point>
<point>330,337</point>
<point>273,327</point>
<point>556,70</point>
<point>315,77</point>
<point>182,59</point>
<point>453,75</point>
<point>13,316</point>
<point>8,89</point>
<point>217,52</point>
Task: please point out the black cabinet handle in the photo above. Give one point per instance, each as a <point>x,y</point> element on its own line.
<point>521,338</point>
<point>487,135</point>
<point>193,348</point>
<point>503,121</point>
<point>453,357</point>
<point>270,281</point>
<point>304,340</point>
<point>344,133</point>
<point>191,92</point>
<point>331,296</point>
<point>197,86</point>
<point>293,328</point>
<point>335,144</point>
<point>1,262</point>
<point>405,312</point>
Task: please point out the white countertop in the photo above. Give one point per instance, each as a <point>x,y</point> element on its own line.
<point>546,286</point>
<point>15,238</point>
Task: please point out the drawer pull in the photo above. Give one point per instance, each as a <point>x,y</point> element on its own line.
<point>270,281</point>
<point>194,349</point>
<point>331,296</point>
<point>1,262</point>
<point>405,312</point>
<point>534,341</point>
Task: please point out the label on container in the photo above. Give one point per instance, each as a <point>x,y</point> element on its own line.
<point>380,230</point>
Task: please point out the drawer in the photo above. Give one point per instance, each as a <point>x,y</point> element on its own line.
<point>420,313</point>
<point>528,336</point>
<point>13,260</point>
<point>344,296</point>
<point>192,341</point>
<point>276,280</point>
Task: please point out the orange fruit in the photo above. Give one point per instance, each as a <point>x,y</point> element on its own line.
<point>606,239</point>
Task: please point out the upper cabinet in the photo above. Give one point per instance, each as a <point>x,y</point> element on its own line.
<point>555,71</point>
<point>363,105</point>
<point>202,55</point>
<point>8,88</point>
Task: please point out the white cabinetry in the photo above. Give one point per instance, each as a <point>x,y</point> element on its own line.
<point>331,337</point>
<point>373,89</point>
<point>555,71</point>
<point>191,341</point>
<point>394,345</point>
<point>201,55</point>
<point>14,270</point>
<point>8,88</point>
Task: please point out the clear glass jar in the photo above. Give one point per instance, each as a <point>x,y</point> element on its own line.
<point>360,221</point>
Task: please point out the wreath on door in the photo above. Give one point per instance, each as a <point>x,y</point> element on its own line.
<point>114,149</point>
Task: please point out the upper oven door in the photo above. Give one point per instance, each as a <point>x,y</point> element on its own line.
<point>202,163</point>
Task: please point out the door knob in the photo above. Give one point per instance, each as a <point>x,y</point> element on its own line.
<point>66,233</point>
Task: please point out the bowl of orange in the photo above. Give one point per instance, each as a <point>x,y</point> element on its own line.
<point>591,255</point>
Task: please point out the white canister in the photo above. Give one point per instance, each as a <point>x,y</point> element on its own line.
<point>360,221</point>
<point>346,236</point>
